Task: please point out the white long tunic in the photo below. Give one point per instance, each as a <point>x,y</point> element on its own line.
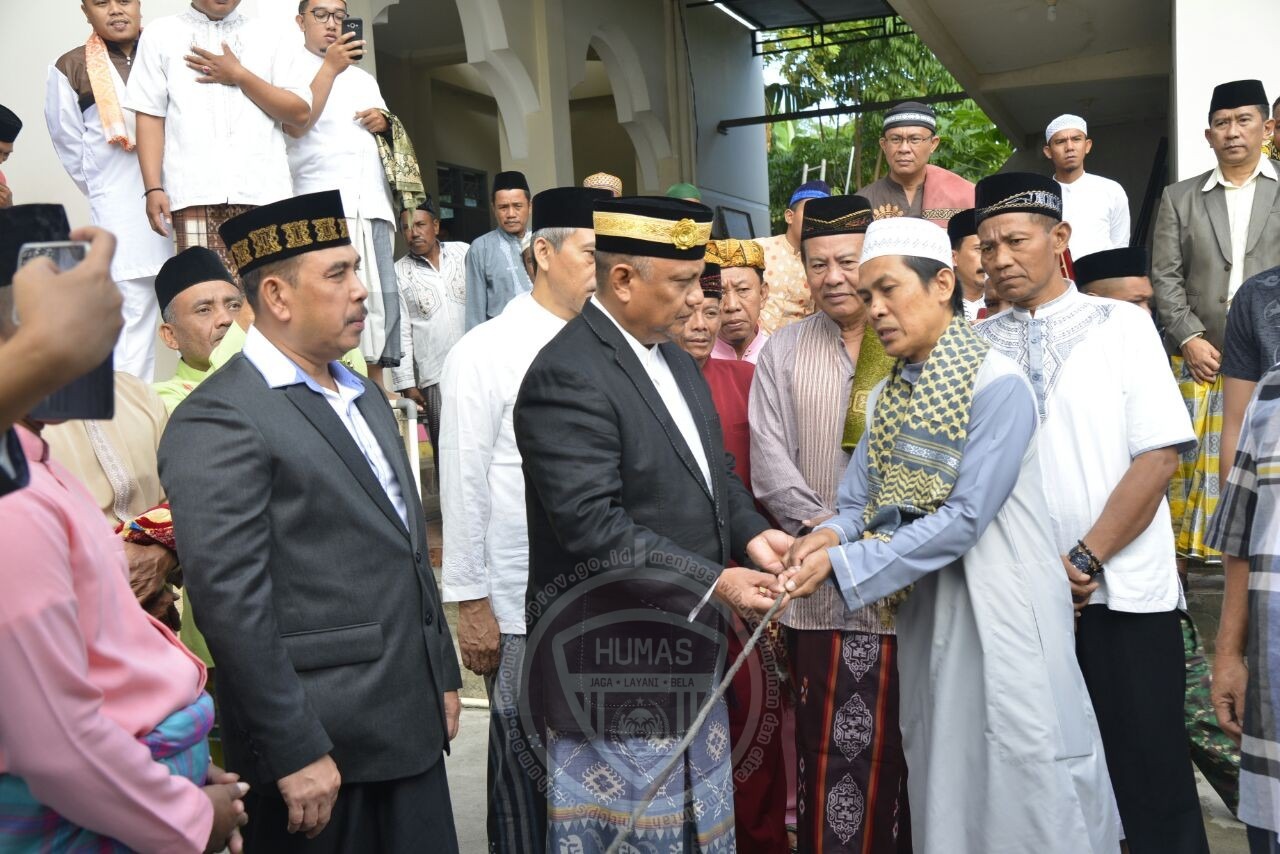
<point>108,176</point>
<point>486,537</point>
<point>1003,750</point>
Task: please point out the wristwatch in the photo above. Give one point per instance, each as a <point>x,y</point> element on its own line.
<point>1082,559</point>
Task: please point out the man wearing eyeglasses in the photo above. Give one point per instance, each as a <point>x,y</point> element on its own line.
<point>336,147</point>
<point>914,187</point>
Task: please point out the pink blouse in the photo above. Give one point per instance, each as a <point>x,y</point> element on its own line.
<point>86,671</point>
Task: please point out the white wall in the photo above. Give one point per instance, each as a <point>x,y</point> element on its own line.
<point>1213,43</point>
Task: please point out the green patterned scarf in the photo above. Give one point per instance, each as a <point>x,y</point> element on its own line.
<point>400,164</point>
<point>919,435</point>
<point>874,364</point>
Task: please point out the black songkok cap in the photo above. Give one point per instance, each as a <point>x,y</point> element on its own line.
<point>961,226</point>
<point>652,227</point>
<point>911,114</point>
<point>835,215</point>
<point>1017,192</point>
<point>711,284</point>
<point>1238,93</point>
<point>428,205</point>
<point>286,228</point>
<point>510,181</point>
<point>28,224</point>
<point>1110,264</point>
<point>10,124</point>
<point>189,267</point>
<point>566,207</point>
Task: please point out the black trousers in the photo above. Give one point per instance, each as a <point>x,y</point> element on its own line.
<point>409,815</point>
<point>1134,667</point>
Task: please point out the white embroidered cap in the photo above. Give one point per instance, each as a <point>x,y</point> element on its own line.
<point>903,235</point>
<point>1064,122</point>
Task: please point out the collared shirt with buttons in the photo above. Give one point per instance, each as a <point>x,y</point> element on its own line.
<point>279,371</point>
<point>1239,201</point>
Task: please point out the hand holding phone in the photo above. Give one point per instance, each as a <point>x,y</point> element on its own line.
<point>355,26</point>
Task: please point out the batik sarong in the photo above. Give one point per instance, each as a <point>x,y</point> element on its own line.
<point>595,784</point>
<point>852,789</point>
<point>1194,490</point>
<point>27,827</point>
<point>198,225</point>
<point>516,818</point>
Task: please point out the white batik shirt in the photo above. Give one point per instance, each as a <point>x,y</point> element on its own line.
<point>433,304</point>
<point>1105,395</point>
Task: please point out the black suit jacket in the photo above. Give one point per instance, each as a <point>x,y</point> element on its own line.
<point>319,606</point>
<point>625,536</point>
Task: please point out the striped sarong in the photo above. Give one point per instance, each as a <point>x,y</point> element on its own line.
<point>595,783</point>
<point>1194,489</point>
<point>26,826</point>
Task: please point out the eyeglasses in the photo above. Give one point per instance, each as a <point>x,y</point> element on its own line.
<point>912,141</point>
<point>323,15</point>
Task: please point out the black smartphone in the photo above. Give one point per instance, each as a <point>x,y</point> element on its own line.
<point>354,25</point>
<point>91,397</point>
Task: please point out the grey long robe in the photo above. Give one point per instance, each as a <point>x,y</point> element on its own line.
<point>495,274</point>
<point>1003,751</point>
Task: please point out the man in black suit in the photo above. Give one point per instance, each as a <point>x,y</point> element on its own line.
<point>633,516</point>
<point>304,550</point>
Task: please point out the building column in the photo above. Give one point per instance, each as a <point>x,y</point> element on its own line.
<point>547,158</point>
<point>1205,34</point>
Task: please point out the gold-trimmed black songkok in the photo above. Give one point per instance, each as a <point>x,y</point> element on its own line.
<point>712,286</point>
<point>1110,264</point>
<point>836,215</point>
<point>283,229</point>
<point>192,266</point>
<point>652,227</point>
<point>566,207</point>
<point>1017,192</point>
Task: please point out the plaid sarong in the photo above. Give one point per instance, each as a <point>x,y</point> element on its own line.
<point>1194,489</point>
<point>27,826</point>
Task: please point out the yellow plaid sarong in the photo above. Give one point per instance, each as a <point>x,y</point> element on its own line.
<point>1194,489</point>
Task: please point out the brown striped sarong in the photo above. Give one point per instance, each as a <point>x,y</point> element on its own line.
<point>852,787</point>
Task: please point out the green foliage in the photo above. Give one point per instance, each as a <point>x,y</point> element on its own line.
<point>871,71</point>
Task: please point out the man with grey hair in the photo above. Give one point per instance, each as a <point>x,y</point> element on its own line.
<point>1096,207</point>
<point>486,551</point>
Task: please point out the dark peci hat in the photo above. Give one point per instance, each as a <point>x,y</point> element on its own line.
<point>962,225</point>
<point>711,284</point>
<point>22,224</point>
<point>566,207</point>
<point>428,205</point>
<point>1238,93</point>
<point>10,124</point>
<point>836,215</point>
<point>911,114</point>
<point>284,229</point>
<point>653,227</point>
<point>1110,264</point>
<point>1017,192</point>
<point>189,267</point>
<point>510,181</point>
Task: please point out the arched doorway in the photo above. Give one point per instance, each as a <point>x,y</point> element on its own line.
<point>600,142</point>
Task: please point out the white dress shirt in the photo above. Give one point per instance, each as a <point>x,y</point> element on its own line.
<point>1239,213</point>
<point>1098,210</point>
<point>655,365</point>
<point>219,147</point>
<point>338,150</point>
<point>486,534</point>
<point>1106,395</point>
<point>279,370</point>
<point>433,306</point>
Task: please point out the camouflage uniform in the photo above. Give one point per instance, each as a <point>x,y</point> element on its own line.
<point>1212,750</point>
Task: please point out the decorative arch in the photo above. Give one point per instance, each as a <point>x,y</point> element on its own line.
<point>631,94</point>
<point>489,52</point>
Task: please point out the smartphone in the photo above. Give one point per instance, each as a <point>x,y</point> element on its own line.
<point>91,397</point>
<point>354,25</point>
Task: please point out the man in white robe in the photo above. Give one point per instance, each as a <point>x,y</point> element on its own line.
<point>486,540</point>
<point>1003,751</point>
<point>94,136</point>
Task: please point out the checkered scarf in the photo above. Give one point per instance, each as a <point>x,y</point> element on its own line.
<point>919,434</point>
